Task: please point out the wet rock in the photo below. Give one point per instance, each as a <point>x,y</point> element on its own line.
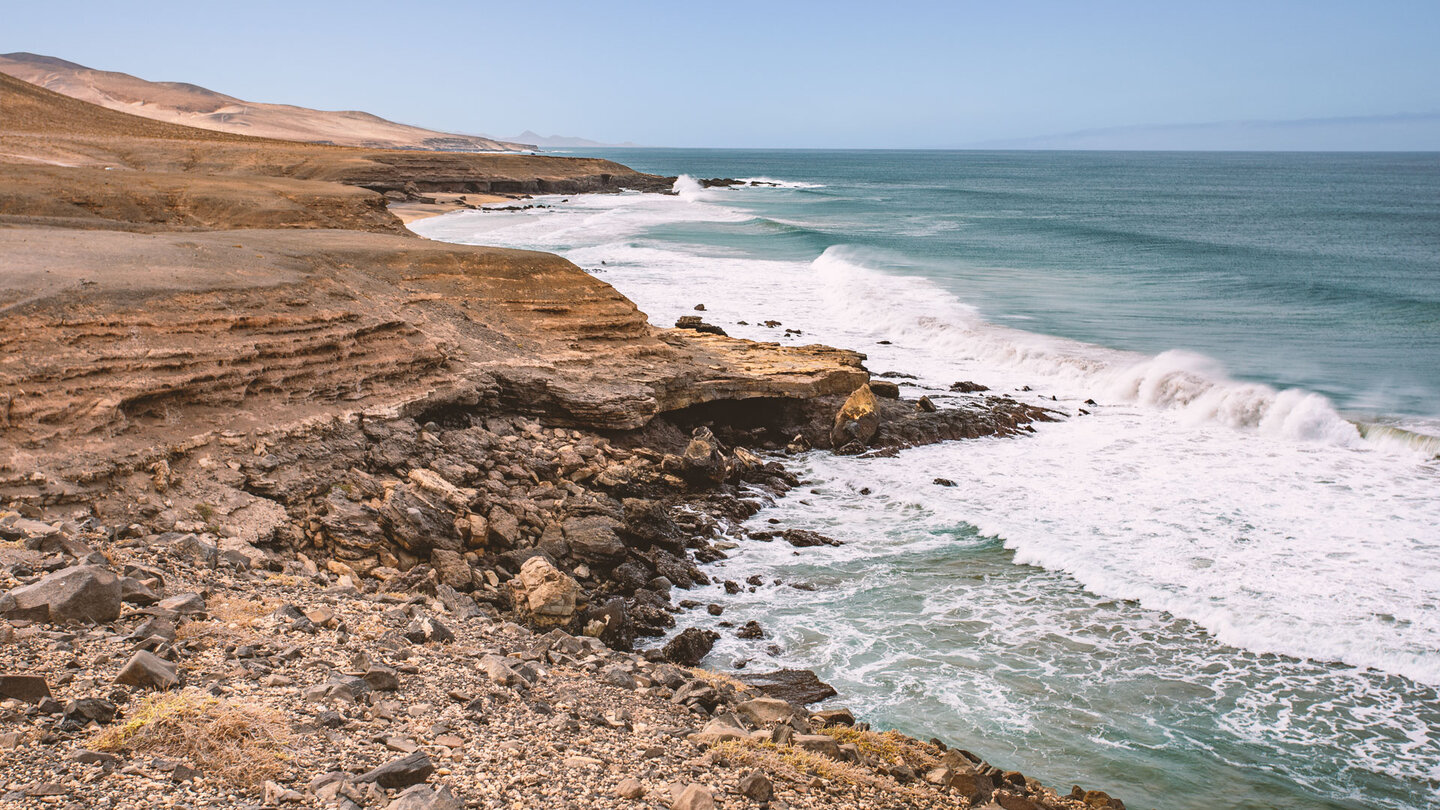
<point>857,421</point>
<point>756,786</point>
<point>690,647</point>
<point>83,593</point>
<point>29,688</point>
<point>798,686</point>
<point>967,387</point>
<point>925,405</point>
<point>702,462</point>
<point>404,772</point>
<point>804,538</point>
<point>885,389</point>
<point>751,629</point>
<point>148,671</point>
<point>611,624</point>
<point>696,323</point>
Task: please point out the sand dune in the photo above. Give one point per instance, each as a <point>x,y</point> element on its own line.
<point>195,106</point>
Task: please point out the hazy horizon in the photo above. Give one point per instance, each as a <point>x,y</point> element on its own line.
<point>1228,76</point>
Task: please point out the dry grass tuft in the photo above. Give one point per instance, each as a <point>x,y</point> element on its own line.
<point>234,742</point>
<point>800,766</point>
<point>230,621</point>
<point>717,679</point>
<point>888,746</point>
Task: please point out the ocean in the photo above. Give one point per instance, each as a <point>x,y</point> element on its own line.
<point>1220,587</point>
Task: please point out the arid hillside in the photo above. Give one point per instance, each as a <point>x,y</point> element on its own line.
<point>195,106</point>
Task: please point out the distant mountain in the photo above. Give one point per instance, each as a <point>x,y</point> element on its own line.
<point>561,141</point>
<point>191,105</point>
<point>1418,132</point>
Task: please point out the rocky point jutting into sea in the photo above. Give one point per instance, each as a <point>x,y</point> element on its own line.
<point>299,509</point>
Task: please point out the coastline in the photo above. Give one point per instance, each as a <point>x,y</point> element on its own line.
<point>323,460</point>
<point>434,205</point>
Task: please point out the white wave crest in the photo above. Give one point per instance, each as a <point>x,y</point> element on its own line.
<point>770,181</point>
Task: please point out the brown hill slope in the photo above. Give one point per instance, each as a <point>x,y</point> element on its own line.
<point>195,106</point>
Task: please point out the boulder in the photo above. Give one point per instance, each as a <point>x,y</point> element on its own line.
<point>399,773</point>
<point>593,538</point>
<point>543,593</point>
<point>148,671</point>
<point>504,528</point>
<point>690,647</point>
<point>885,389</point>
<point>82,593</point>
<point>765,710</point>
<point>857,421</point>
<point>716,732</point>
<point>452,569</point>
<point>822,744</point>
<point>702,462</point>
<point>926,405</point>
<point>29,688</point>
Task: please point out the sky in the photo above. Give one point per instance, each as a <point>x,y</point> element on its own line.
<point>800,74</point>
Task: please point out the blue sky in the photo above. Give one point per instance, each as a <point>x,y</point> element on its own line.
<point>742,74</point>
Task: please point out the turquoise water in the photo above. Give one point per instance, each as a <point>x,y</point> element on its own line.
<point>1218,588</point>
<point>1319,271</point>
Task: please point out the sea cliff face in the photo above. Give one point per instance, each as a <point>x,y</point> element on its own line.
<point>266,441</point>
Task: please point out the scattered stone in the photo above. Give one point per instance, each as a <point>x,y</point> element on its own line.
<point>277,794</point>
<point>426,629</point>
<point>925,405</point>
<point>148,671</point>
<point>630,788</point>
<point>693,797</point>
<point>404,772</point>
<point>756,786</point>
<point>424,797</point>
<point>944,482</point>
<point>29,688</point>
<point>967,387</point>
<point>694,322</point>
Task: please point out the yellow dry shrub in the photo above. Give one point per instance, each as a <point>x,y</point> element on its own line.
<point>229,622</point>
<point>798,765</point>
<point>717,679</point>
<point>887,746</point>
<point>242,743</point>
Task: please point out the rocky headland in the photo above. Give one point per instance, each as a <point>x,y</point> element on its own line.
<point>298,509</point>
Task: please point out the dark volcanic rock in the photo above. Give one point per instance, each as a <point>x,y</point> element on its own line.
<point>84,593</point>
<point>798,686</point>
<point>804,538</point>
<point>403,772</point>
<point>690,647</point>
<point>694,322</point>
<point>29,688</point>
